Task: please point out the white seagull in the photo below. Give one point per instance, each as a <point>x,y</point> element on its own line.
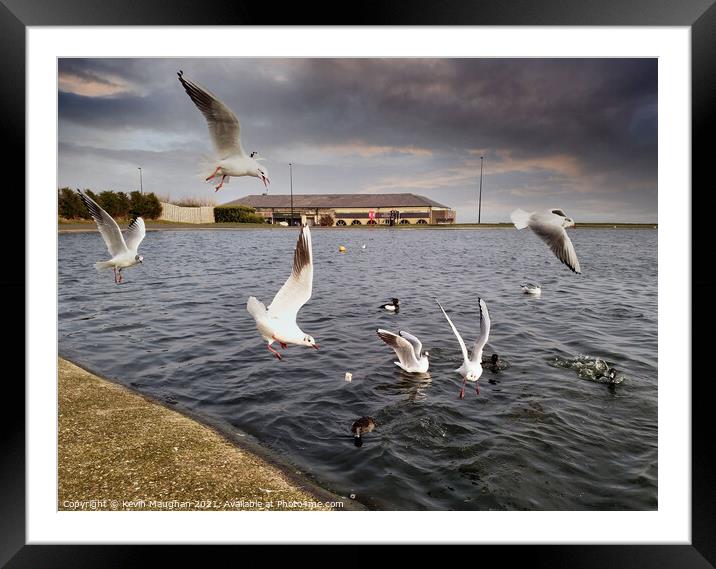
<point>123,248</point>
<point>408,349</point>
<point>531,288</point>
<point>231,159</point>
<point>550,226</point>
<point>471,368</point>
<point>278,322</point>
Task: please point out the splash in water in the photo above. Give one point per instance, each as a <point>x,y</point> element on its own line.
<point>590,368</point>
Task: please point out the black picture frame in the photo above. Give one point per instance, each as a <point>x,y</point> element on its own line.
<point>699,15</point>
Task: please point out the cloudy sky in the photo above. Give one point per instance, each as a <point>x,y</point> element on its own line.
<point>580,134</point>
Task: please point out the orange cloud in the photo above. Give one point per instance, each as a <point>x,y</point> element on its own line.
<point>91,85</point>
<point>563,164</point>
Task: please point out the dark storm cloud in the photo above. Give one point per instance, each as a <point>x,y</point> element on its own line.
<point>569,129</point>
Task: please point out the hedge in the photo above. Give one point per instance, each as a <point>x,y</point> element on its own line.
<point>236,214</point>
<point>117,204</point>
<point>70,205</point>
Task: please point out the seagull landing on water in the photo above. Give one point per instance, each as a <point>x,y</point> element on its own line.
<point>278,322</point>
<point>123,248</point>
<point>531,288</point>
<point>471,368</point>
<point>408,349</point>
<point>231,159</point>
<point>550,227</point>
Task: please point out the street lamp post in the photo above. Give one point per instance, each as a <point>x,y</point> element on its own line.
<point>290,175</point>
<point>141,187</point>
<point>479,203</point>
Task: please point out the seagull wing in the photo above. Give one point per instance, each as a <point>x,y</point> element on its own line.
<point>402,348</point>
<point>484,332</point>
<point>417,344</point>
<point>557,239</point>
<point>457,334</point>
<point>135,233</point>
<point>297,289</point>
<point>107,226</point>
<point>223,124</point>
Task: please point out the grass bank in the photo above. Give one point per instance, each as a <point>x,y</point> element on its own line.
<point>118,450</point>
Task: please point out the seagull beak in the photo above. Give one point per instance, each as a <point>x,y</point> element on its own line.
<point>315,346</point>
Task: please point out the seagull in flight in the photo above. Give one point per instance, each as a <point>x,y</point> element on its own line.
<point>230,159</point>
<point>277,323</point>
<point>471,368</point>
<point>123,248</point>
<point>550,226</point>
<point>408,349</point>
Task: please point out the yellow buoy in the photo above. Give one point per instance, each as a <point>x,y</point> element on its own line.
<point>341,249</point>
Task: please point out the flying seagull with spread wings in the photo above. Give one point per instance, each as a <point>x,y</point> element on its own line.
<point>550,226</point>
<point>123,248</point>
<point>277,323</point>
<point>471,368</point>
<point>230,159</point>
<point>408,349</point>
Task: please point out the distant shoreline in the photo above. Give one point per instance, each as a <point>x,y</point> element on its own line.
<point>89,226</point>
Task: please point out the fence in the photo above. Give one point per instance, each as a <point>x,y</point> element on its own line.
<point>171,212</point>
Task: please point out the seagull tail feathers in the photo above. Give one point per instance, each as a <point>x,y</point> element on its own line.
<point>255,307</point>
<point>520,218</point>
<point>103,265</point>
<point>207,166</point>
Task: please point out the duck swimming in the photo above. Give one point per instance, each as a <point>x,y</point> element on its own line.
<point>360,426</point>
<point>392,306</point>
<point>494,363</point>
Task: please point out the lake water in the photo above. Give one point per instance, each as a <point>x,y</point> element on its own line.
<point>538,436</point>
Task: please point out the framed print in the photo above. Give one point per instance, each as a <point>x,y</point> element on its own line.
<point>497,200</point>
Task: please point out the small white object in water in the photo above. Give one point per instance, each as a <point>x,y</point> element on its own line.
<point>362,246</point>
<point>349,376</point>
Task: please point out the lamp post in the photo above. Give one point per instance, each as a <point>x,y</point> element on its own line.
<point>290,175</point>
<point>479,202</point>
<point>141,187</point>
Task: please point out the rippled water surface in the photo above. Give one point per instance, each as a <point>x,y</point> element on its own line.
<point>537,436</point>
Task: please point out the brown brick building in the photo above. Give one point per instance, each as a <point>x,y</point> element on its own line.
<point>350,209</point>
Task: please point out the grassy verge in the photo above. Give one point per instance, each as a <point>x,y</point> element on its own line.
<point>120,451</point>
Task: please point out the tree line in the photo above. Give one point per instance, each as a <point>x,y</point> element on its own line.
<point>119,205</point>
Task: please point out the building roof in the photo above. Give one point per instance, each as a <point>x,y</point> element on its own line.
<point>337,201</point>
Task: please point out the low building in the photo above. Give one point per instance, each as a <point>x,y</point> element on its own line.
<point>350,209</point>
